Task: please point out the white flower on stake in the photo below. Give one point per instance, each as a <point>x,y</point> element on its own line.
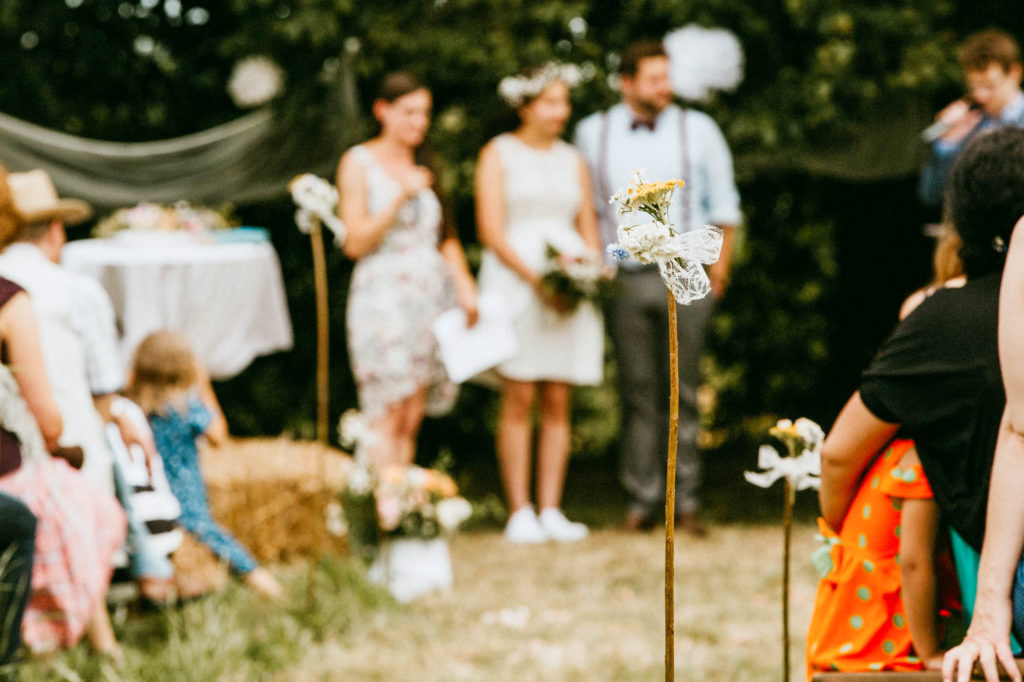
<point>704,60</point>
<point>318,201</point>
<point>802,466</point>
<point>803,472</point>
<point>800,470</point>
<point>355,435</point>
<point>255,81</point>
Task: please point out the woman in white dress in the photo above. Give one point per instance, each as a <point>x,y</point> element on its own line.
<point>533,190</point>
<point>410,268</point>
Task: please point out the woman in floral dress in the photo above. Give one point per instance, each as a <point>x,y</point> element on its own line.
<point>410,268</point>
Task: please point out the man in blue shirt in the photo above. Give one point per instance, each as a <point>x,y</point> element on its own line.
<point>992,70</point>
<point>647,132</point>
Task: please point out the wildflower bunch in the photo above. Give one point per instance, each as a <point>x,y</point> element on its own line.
<point>405,501</point>
<point>652,198</point>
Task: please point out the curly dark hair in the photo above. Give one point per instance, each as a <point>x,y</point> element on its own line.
<point>985,198</point>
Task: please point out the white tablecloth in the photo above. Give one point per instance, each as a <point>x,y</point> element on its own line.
<point>228,300</point>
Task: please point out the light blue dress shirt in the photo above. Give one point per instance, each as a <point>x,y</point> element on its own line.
<point>658,153</point>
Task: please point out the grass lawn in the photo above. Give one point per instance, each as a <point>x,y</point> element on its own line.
<point>590,611</point>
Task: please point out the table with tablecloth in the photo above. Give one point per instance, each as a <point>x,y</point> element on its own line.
<point>227,299</point>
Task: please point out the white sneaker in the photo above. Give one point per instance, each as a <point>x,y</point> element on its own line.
<point>523,528</point>
<point>559,528</point>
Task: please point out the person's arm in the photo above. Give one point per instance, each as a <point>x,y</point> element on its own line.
<point>962,120</point>
<point>987,639</point>
<point>919,527</point>
<point>720,271</point>
<point>586,219</point>
<point>919,524</point>
<point>364,229</point>
<point>852,443</point>
<point>723,202</point>
<point>490,213</point>
<point>217,430</point>
<point>19,330</point>
<point>462,279</point>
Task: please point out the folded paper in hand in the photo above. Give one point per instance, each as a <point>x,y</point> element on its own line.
<point>467,351</point>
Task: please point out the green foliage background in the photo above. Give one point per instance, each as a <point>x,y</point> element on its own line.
<point>828,253</point>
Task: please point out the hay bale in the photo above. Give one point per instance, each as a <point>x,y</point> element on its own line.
<point>272,494</point>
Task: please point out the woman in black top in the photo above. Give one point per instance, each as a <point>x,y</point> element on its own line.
<point>936,379</point>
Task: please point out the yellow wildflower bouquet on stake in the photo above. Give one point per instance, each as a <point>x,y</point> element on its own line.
<point>680,255</point>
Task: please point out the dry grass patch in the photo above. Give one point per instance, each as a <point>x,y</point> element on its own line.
<point>591,611</point>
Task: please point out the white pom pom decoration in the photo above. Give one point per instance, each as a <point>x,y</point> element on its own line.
<point>703,60</point>
<point>255,81</point>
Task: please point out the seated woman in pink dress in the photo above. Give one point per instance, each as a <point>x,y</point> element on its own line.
<point>78,527</point>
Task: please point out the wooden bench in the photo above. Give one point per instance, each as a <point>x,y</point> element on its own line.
<point>896,677</point>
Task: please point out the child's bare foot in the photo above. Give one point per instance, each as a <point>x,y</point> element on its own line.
<point>260,580</point>
<point>158,590</point>
<point>189,587</point>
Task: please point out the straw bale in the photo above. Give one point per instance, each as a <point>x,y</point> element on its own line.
<point>272,494</point>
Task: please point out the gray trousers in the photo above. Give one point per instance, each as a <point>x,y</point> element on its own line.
<point>637,322</point>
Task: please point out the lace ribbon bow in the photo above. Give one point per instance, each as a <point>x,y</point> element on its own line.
<point>802,472</point>
<point>318,201</point>
<point>684,275</point>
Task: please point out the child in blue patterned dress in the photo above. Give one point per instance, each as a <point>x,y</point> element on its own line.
<point>174,391</point>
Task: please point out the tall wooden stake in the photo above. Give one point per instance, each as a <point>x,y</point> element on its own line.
<point>322,332</point>
<point>322,376</point>
<point>670,492</point>
<point>787,525</point>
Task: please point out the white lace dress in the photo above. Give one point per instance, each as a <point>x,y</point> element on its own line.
<point>543,192</point>
<point>396,293</point>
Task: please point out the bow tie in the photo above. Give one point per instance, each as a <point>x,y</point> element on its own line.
<point>642,123</point>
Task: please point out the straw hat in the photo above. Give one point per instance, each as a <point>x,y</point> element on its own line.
<point>36,199</point>
<point>11,221</point>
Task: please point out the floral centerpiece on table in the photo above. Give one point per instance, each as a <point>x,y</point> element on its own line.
<point>569,280</point>
<point>183,217</point>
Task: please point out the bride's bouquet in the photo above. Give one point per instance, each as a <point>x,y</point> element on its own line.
<point>569,280</point>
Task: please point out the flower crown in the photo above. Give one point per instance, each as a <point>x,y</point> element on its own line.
<point>518,90</point>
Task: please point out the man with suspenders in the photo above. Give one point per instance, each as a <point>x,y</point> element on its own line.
<point>648,132</point>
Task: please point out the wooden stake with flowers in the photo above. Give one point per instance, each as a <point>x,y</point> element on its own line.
<point>317,202</point>
<point>680,257</point>
<point>800,469</point>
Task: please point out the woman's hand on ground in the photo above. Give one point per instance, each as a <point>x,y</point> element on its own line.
<point>987,641</point>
